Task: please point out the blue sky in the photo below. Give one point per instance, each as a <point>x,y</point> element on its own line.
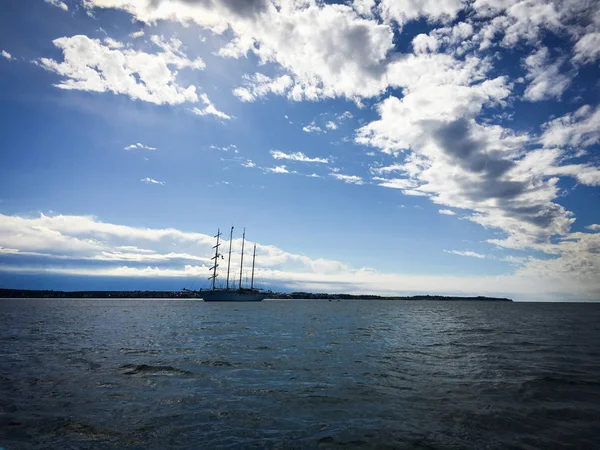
<point>382,147</point>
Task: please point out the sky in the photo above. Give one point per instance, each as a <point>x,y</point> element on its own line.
<point>392,147</point>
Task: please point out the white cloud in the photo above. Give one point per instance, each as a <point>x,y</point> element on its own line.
<point>259,85</point>
<point>520,19</point>
<point>91,65</point>
<point>149,180</point>
<point>467,253</point>
<point>447,212</point>
<point>111,43</point>
<point>442,145</point>
<point>91,228</point>
<point>61,242</point>
<point>136,34</point>
<point>297,156</point>
<point>482,168</point>
<point>312,128</point>
<point>364,7</point>
<point>324,50</point>
<point>446,154</point>
<point>587,49</point>
<point>58,3</point>
<point>577,263</point>
<point>388,169</point>
<point>350,179</point>
<point>344,116</point>
<point>6,55</point>
<point>457,39</point>
<point>396,183</point>
<point>139,146</point>
<point>277,169</point>
<point>578,129</point>
<point>423,43</point>
<point>302,37</point>
<point>593,227</point>
<point>546,80</point>
<point>209,109</point>
<point>330,125</point>
<point>403,11</point>
<point>249,163</point>
<point>227,148</point>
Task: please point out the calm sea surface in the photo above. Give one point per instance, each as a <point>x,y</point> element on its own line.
<point>147,374</point>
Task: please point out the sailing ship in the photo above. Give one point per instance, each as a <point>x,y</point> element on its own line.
<point>227,294</point>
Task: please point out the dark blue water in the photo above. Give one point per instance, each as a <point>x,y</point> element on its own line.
<point>78,374</point>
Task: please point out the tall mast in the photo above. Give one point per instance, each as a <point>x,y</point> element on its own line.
<point>242,263</point>
<point>214,276</point>
<point>229,260</point>
<point>253,259</point>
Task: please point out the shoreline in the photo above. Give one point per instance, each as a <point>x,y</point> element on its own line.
<point>27,293</point>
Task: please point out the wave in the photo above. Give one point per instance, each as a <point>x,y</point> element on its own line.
<point>135,351</point>
<point>558,380</point>
<point>145,369</point>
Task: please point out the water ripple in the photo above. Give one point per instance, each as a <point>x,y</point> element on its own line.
<point>294,375</point>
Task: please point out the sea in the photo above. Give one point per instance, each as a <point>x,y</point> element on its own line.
<point>287,374</point>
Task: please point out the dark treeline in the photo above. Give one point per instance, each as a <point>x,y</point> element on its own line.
<point>308,295</point>
<point>24,293</point>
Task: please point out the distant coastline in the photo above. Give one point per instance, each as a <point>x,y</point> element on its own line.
<point>25,293</point>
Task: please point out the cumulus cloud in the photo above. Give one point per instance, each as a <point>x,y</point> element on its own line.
<point>260,85</point>
<point>312,128</point>
<point>65,243</point>
<point>344,116</point>
<point>587,49</point>
<point>402,11</point>
<point>297,156</point>
<point>441,124</point>
<point>423,43</point>
<point>345,50</point>
<point>324,48</point>
<point>447,154</point>
<point>546,79</point>
<point>6,55</point>
<point>96,66</point>
<point>58,3</point>
<point>519,20</point>
<point>578,129</point>
<point>139,146</point>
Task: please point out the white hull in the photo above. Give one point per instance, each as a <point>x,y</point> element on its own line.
<point>231,296</point>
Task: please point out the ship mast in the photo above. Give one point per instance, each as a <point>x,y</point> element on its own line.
<point>242,263</point>
<point>253,259</point>
<point>229,260</point>
<point>214,276</point>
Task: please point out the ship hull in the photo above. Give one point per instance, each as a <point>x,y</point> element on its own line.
<point>216,296</point>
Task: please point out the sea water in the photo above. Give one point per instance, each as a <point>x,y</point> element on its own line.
<point>145,374</point>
